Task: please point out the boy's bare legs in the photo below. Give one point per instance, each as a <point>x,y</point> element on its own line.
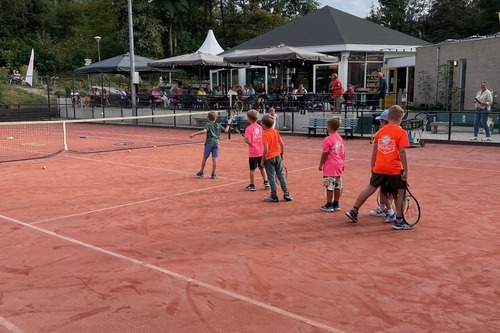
<point>384,200</point>
<point>337,194</point>
<point>203,163</point>
<point>214,167</point>
<point>390,213</point>
<point>329,196</point>
<point>399,223</point>
<point>263,174</point>
<point>365,194</point>
<point>399,202</point>
<point>252,177</point>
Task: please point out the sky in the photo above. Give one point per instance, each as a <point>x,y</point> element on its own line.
<point>359,8</point>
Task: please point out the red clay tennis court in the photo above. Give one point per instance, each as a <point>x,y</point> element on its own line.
<point>133,242</point>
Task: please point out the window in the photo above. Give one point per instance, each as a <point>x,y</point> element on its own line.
<point>356,75</point>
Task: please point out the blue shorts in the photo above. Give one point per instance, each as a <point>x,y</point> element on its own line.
<point>211,148</point>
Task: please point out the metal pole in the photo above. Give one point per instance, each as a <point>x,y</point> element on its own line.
<point>132,57</point>
<point>48,94</point>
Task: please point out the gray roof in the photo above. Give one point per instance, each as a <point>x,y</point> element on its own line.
<point>329,26</point>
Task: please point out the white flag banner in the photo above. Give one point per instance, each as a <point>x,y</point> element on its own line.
<point>29,73</point>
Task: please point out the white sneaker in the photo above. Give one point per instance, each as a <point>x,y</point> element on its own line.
<point>474,138</point>
<point>379,212</point>
<point>488,138</point>
<point>390,217</point>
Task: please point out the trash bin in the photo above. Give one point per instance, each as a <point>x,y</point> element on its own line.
<point>365,122</point>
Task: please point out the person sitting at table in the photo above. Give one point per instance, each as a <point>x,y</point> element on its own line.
<point>291,89</point>
<point>281,94</point>
<point>301,90</point>
<point>232,94</point>
<point>88,99</point>
<point>261,96</point>
<point>105,97</point>
<point>175,88</point>
<point>240,91</point>
<point>244,90</point>
<point>279,91</point>
<point>202,97</point>
<point>201,92</point>
<point>218,91</point>
<point>348,95</point>
<point>208,90</point>
<point>158,97</point>
<point>175,91</point>
<point>250,90</point>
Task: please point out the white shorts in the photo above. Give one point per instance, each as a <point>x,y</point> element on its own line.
<point>332,183</point>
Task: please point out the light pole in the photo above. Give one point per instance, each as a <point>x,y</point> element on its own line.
<point>98,39</point>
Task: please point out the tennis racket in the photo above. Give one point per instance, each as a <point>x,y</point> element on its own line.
<point>410,208</point>
<point>236,130</point>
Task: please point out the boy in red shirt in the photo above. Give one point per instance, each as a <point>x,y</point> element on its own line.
<point>389,165</point>
<point>272,159</point>
<point>253,138</point>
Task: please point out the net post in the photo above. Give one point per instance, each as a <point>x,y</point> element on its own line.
<point>229,117</point>
<point>65,139</point>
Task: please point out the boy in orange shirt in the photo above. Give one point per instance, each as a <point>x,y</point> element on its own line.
<point>272,159</point>
<point>389,165</point>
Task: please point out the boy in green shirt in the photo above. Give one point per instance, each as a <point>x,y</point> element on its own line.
<point>213,131</point>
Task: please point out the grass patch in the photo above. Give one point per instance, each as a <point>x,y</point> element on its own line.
<point>13,94</point>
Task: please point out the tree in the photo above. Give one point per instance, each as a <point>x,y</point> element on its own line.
<point>487,19</point>
<point>447,20</point>
<point>407,16</point>
<point>62,31</point>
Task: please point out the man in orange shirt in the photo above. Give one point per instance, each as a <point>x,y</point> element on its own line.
<point>389,165</point>
<point>272,159</point>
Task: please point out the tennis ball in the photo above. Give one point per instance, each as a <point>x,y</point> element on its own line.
<point>10,138</point>
<point>128,150</point>
<point>154,146</point>
<point>44,167</point>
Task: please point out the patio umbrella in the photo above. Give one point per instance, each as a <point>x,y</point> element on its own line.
<point>279,54</point>
<point>196,60</point>
<point>118,64</point>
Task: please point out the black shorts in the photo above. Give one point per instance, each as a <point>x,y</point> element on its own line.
<point>254,162</point>
<point>388,188</point>
<point>389,183</point>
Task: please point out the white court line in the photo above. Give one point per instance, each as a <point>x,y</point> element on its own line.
<point>135,203</point>
<point>141,166</point>
<point>181,277</point>
<point>9,326</point>
<point>148,200</point>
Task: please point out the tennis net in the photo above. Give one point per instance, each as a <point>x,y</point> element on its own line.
<point>41,139</point>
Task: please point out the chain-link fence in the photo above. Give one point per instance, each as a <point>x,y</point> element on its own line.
<point>102,96</point>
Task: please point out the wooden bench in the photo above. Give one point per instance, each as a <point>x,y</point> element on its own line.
<point>436,124</point>
<point>349,125</point>
<point>315,124</point>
